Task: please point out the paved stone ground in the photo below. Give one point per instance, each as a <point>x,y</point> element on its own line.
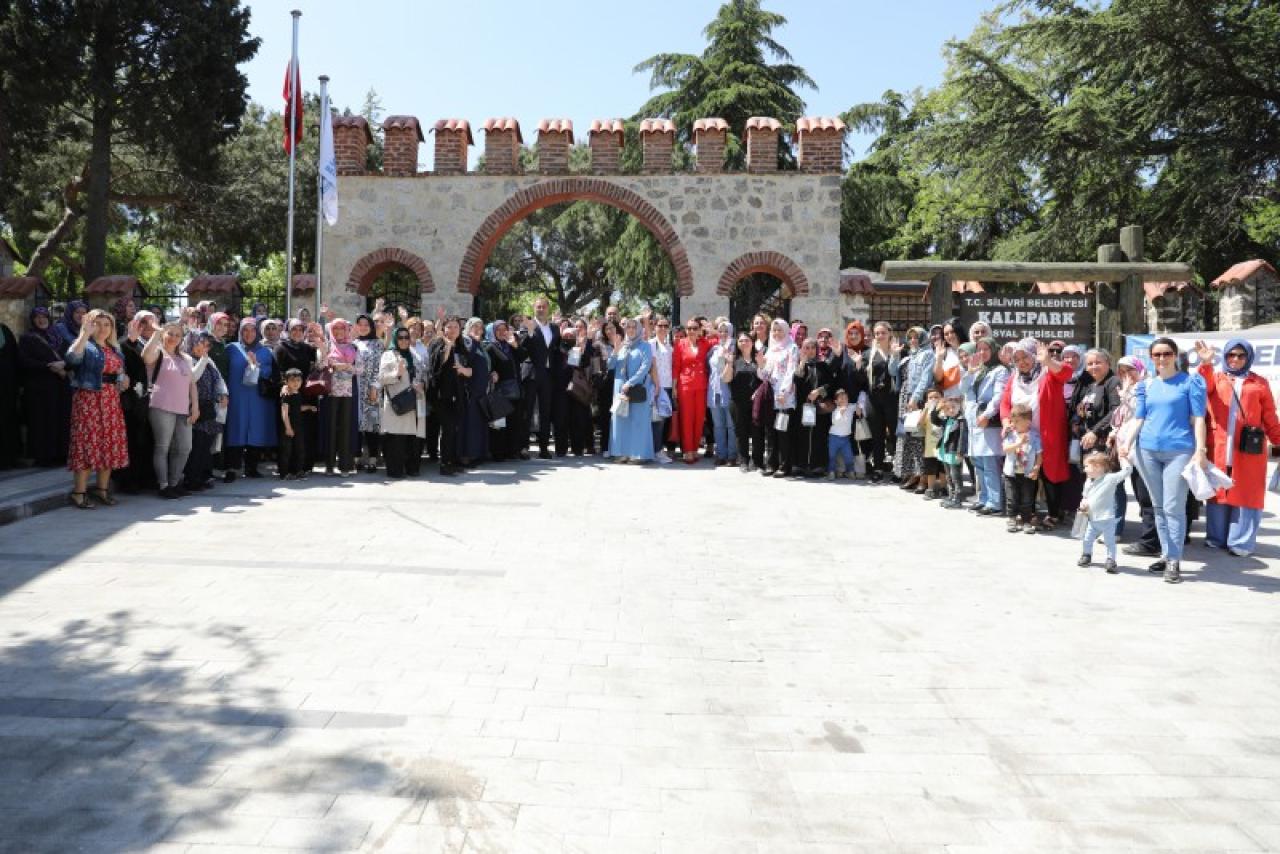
<point>609,659</point>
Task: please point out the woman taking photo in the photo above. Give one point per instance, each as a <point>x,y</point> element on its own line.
<point>449,367</point>
<point>251,416</point>
<point>175,407</point>
<point>1170,433</point>
<point>1242,413</point>
<point>369,349</point>
<point>778,368</point>
<point>402,431</point>
<point>631,430</point>
<point>98,442</point>
<point>46,395</point>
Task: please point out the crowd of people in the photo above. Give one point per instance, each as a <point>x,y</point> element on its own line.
<point>1041,434</point>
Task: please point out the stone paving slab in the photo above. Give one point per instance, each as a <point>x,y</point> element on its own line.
<point>590,658</point>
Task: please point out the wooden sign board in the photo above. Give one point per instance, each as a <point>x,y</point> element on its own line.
<point>1066,317</point>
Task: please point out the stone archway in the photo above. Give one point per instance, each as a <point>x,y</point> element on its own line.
<point>773,263</point>
<point>367,270</point>
<point>548,193</point>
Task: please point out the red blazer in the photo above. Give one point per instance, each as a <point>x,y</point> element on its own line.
<point>689,370</point>
<point>1257,409</point>
<point>1053,421</point>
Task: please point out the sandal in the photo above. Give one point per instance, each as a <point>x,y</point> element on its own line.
<point>104,496</point>
<point>1048,524</point>
<point>82,502</point>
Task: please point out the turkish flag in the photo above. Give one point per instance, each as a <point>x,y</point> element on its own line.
<point>292,106</point>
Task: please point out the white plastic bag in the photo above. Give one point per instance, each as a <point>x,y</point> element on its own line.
<point>808,415</point>
<point>780,421</point>
<point>251,373</point>
<point>1205,483</point>
<point>912,422</point>
<point>861,430</point>
<point>1218,478</point>
<point>621,406</point>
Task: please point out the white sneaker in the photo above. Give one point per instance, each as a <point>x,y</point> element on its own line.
<point>663,458</point>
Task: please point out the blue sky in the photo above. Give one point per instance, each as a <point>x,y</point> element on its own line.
<point>573,58</point>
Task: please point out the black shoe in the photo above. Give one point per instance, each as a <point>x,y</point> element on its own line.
<point>253,473</point>
<point>1140,550</point>
<point>1173,572</point>
<point>168,492</point>
<point>1084,560</point>
<point>1158,566</point>
<point>229,477</point>
<point>1112,569</point>
<point>544,455</point>
<point>781,473</point>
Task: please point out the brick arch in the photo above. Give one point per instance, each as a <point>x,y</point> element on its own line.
<point>773,263</point>
<point>370,267</point>
<point>571,189</point>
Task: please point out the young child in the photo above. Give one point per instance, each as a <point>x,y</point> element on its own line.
<point>293,451</point>
<point>1022,458</point>
<point>1099,504</point>
<point>838,444</point>
<point>931,480</point>
<point>951,447</point>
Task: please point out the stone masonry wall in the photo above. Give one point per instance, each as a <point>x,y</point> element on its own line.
<point>716,218</point>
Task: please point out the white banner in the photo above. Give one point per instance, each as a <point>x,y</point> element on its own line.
<point>328,167</point>
<point>1266,348</point>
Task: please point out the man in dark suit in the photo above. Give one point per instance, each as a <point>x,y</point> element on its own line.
<point>542,346</point>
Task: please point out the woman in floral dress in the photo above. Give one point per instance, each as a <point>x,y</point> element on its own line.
<point>98,441</point>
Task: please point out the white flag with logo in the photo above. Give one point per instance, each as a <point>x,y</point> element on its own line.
<point>328,168</point>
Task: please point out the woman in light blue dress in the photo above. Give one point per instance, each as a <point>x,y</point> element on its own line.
<point>631,435</point>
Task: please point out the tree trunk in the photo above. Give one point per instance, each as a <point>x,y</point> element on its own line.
<point>103,99</point>
<point>50,247</point>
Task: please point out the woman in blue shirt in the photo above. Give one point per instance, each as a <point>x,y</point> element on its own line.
<point>1169,416</point>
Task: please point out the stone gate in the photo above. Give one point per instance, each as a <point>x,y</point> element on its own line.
<point>716,226</point>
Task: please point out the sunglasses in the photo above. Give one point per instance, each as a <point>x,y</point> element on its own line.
<point>664,325</point>
<point>1236,354</point>
<point>1163,354</point>
<point>1055,350</point>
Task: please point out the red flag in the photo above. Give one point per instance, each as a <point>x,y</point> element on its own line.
<point>292,106</point>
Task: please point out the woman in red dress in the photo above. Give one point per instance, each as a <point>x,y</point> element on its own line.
<point>689,370</point>
<point>98,441</point>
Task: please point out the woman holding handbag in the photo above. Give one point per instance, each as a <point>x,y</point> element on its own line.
<point>1242,418</point>
<point>777,367</point>
<point>631,429</point>
<point>403,418</point>
<point>449,368</point>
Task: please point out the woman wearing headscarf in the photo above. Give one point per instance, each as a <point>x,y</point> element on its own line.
<point>251,417</point>
<point>402,433</point>
<point>778,368</point>
<point>211,393</point>
<point>1169,424</point>
<point>449,364</point>
<point>689,371</point>
<point>581,363</point>
<point>10,383</point>
<point>631,434</point>
<point>369,348</point>
<point>1131,370</point>
<point>1036,381</point>
<point>295,352</point>
<point>219,330</point>
<point>98,442</point>
<point>271,330</point>
<point>983,386</point>
<point>68,328</point>
<point>814,387</point>
<point>338,407</point>
<point>720,396</point>
<point>799,332</point>
<point>46,397</point>
<point>1242,418</point>
<point>917,372</point>
<point>474,431</point>
<point>122,310</point>
<point>503,441</point>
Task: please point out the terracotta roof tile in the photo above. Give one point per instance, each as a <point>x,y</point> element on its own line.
<point>710,124</point>
<point>963,287</point>
<point>119,286</point>
<point>763,123</point>
<point>504,123</point>
<point>556,126</point>
<point>409,122</point>
<point>657,126</point>
<point>18,287</point>
<point>455,124</point>
<point>1243,270</point>
<point>303,284</point>
<point>355,122</point>
<point>1062,287</point>
<point>856,283</point>
<point>214,284</point>
<point>607,126</point>
<point>1154,290</point>
<point>812,123</point>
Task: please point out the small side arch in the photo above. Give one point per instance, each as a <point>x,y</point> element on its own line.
<point>773,263</point>
<point>367,270</point>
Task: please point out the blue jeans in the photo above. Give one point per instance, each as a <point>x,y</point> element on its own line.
<point>990,484</point>
<point>839,447</point>
<point>726,435</point>
<point>1105,528</point>
<point>1162,473</point>
<point>1228,527</point>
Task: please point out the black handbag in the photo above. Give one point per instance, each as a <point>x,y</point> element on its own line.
<point>510,389</point>
<point>1253,440</point>
<point>637,394</point>
<point>495,406</point>
<point>268,388</point>
<point>403,402</point>
<point>208,411</point>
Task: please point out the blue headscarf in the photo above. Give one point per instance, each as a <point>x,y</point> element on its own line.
<point>1248,357</point>
<point>491,337</point>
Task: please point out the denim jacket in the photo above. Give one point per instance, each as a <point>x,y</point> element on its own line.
<point>88,366</point>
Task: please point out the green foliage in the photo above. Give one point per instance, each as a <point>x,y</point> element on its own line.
<point>161,272</point>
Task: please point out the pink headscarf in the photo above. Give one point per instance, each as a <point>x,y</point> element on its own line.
<point>1134,364</point>
<point>340,336</point>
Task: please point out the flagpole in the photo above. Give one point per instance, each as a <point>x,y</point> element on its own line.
<point>324,111</point>
<point>292,119</point>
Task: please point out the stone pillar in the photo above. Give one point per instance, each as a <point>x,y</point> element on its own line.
<point>605,139</point>
<point>941,299</point>
<point>351,141</point>
<point>400,138</point>
<point>820,144</point>
<point>710,137</point>
<point>453,138</point>
<point>502,141</point>
<point>18,295</point>
<point>555,137</point>
<point>657,142</point>
<point>762,144</point>
<point>1237,307</point>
